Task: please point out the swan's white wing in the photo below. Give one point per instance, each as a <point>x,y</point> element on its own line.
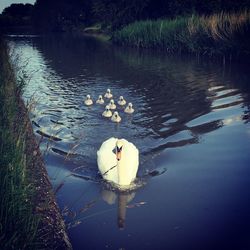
<point>130,155</point>
<point>106,159</point>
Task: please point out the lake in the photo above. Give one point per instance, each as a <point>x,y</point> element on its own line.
<point>191,125</point>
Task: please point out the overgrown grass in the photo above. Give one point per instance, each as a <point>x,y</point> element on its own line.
<point>225,34</point>
<point>18,223</point>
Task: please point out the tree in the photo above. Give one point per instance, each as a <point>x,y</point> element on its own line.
<point>16,15</point>
<point>18,10</point>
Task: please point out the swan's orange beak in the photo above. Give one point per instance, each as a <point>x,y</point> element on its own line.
<point>118,155</point>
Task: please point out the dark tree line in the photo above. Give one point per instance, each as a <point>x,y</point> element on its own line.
<point>17,14</point>
<point>64,15</point>
<point>117,13</point>
<point>18,10</point>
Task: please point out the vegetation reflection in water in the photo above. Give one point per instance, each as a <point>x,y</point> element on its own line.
<point>179,102</point>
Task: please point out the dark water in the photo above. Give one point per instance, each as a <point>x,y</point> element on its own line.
<point>191,126</point>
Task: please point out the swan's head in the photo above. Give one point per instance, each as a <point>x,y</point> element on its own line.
<point>121,98</point>
<point>108,91</point>
<point>119,146</point>
<point>100,97</point>
<point>130,105</point>
<point>112,102</point>
<point>107,108</point>
<point>88,96</point>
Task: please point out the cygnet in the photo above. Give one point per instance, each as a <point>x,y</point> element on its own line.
<point>112,104</point>
<point>88,101</point>
<point>129,109</point>
<point>115,117</point>
<point>108,94</point>
<point>121,101</point>
<point>107,112</point>
<point>100,100</point>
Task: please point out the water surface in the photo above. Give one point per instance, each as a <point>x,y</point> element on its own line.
<point>191,126</point>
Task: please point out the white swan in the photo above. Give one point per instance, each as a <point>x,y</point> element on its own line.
<point>118,161</point>
<point>88,101</point>
<point>115,117</point>
<point>129,109</point>
<point>107,112</point>
<point>108,94</point>
<point>112,104</point>
<point>100,100</point>
<point>121,101</point>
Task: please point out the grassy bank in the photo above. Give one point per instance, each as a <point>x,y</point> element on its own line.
<point>18,224</point>
<point>224,34</point>
<point>29,216</point>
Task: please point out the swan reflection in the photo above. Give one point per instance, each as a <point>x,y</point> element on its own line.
<point>123,199</point>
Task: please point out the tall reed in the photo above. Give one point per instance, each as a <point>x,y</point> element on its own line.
<point>18,222</point>
<point>226,34</point>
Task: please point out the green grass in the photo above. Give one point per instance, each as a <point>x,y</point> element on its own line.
<point>224,34</point>
<point>18,223</point>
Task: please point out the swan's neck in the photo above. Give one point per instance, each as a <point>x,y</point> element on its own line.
<point>122,173</point>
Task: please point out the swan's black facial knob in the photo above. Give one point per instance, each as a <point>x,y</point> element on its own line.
<point>119,149</point>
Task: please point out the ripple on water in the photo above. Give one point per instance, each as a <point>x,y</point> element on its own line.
<point>224,104</point>
<point>216,88</point>
<point>226,100</point>
<point>57,122</point>
<point>226,92</point>
<point>206,127</point>
<point>67,154</point>
<point>49,136</point>
<point>214,116</point>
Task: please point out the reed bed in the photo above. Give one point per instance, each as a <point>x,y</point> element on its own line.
<point>18,222</point>
<point>225,34</point>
